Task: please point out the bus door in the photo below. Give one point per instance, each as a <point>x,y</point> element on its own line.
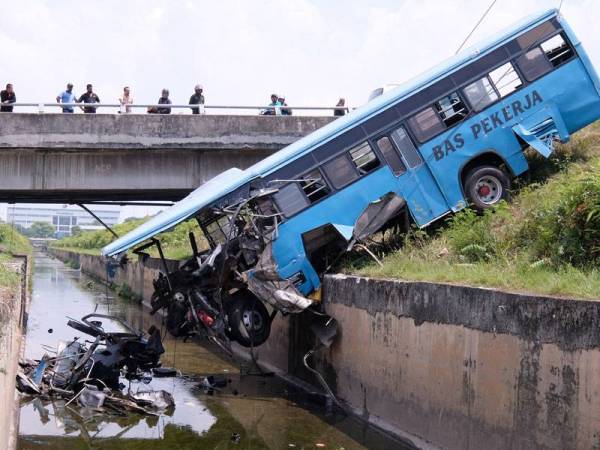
<point>415,181</point>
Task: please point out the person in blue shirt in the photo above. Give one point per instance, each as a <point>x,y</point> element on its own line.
<point>67,97</point>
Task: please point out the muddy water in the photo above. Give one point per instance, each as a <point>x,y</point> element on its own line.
<point>252,412</point>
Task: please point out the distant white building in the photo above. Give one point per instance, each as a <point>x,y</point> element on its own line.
<point>63,217</point>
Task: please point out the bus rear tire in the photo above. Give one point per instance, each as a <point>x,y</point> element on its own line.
<point>486,187</point>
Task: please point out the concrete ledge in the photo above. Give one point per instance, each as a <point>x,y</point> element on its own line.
<point>153,131</point>
<point>571,324</point>
<point>467,368</point>
<point>13,320</point>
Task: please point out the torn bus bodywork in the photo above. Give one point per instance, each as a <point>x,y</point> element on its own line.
<point>233,289</point>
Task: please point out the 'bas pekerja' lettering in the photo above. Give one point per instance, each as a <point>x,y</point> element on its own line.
<point>487,124</point>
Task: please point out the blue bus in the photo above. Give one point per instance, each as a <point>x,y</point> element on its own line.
<point>451,138</point>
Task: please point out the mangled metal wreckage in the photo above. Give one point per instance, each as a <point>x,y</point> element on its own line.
<point>232,289</point>
<point>89,371</point>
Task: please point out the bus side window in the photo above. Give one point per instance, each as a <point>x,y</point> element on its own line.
<point>506,79</point>
<point>364,159</point>
<point>340,171</point>
<point>391,155</point>
<point>314,186</point>
<point>480,93</point>
<point>534,64</point>
<point>406,147</point>
<point>290,199</point>
<point>426,124</point>
<point>451,109</point>
<point>557,50</point>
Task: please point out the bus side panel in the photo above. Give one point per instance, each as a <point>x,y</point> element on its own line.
<point>583,56</point>
<point>578,100</point>
<point>342,208</point>
<point>567,89</point>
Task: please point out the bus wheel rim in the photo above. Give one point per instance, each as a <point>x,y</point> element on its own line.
<point>489,189</point>
<point>252,319</point>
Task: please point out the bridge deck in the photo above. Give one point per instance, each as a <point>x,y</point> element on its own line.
<point>76,158</point>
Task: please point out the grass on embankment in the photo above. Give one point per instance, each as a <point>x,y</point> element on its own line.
<point>546,241</point>
<point>175,244</point>
<point>11,243</point>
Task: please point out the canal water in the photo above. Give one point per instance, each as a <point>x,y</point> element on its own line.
<point>251,412</point>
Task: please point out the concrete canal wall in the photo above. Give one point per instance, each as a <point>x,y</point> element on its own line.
<point>13,318</point>
<point>459,367</point>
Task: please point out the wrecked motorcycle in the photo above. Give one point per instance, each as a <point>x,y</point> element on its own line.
<point>97,362</point>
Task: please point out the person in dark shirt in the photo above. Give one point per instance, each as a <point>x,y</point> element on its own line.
<point>7,97</point>
<point>284,111</point>
<point>197,99</point>
<point>340,104</point>
<point>164,100</point>
<point>89,97</point>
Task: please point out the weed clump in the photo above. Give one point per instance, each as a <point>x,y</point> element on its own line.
<point>567,231</point>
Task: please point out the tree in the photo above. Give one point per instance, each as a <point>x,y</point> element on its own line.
<point>76,230</point>
<point>41,230</point>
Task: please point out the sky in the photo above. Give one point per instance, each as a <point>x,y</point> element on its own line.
<point>241,51</point>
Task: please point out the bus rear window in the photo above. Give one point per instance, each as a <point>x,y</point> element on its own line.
<point>426,124</point>
<point>557,50</point>
<point>480,93</point>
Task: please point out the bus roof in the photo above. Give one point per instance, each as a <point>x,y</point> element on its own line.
<point>232,179</point>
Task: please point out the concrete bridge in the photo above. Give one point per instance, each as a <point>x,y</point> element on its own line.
<point>73,158</point>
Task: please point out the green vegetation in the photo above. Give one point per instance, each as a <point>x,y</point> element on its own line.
<point>127,293</point>
<point>547,240</point>
<point>175,243</point>
<point>11,243</point>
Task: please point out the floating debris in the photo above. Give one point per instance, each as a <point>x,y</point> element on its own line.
<point>88,373</point>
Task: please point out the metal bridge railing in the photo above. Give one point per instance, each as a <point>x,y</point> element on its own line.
<point>142,108</point>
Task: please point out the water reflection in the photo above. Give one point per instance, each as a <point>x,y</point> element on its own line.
<point>249,412</point>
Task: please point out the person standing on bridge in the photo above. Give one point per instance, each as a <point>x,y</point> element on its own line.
<point>67,97</point>
<point>125,101</point>
<point>274,109</point>
<point>89,97</point>
<point>197,99</point>
<point>284,111</point>
<point>7,97</point>
<point>163,100</point>
<point>338,111</point>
